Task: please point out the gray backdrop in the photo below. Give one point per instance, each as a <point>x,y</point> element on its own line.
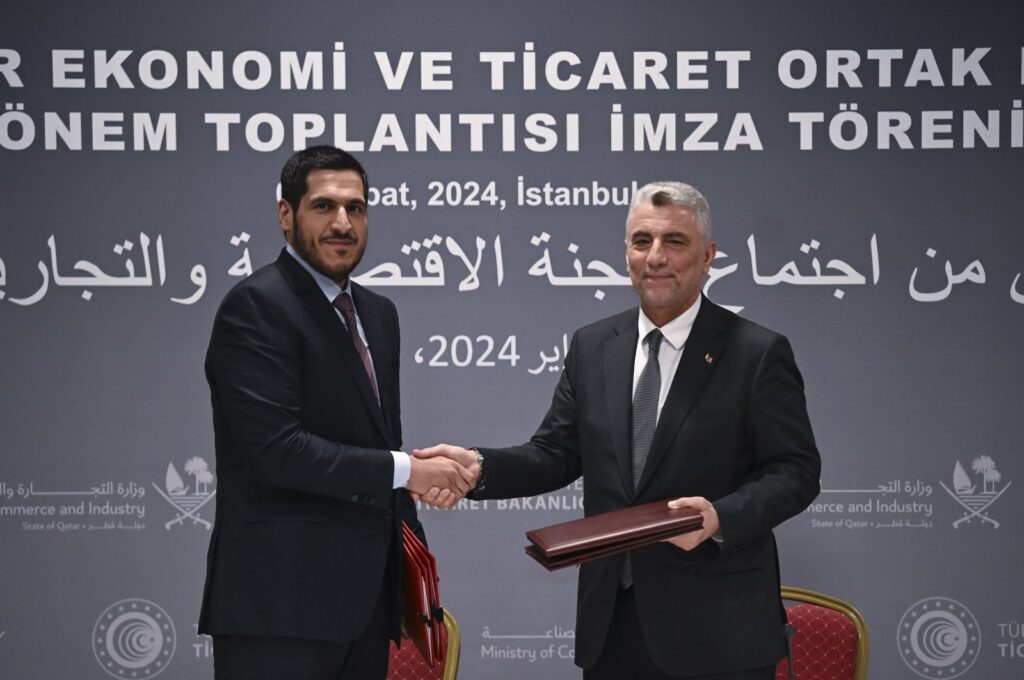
<point>884,240</point>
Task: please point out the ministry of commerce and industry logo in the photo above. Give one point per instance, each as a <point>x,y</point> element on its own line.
<point>966,491</point>
<point>188,500</point>
<point>939,638</point>
<point>133,639</point>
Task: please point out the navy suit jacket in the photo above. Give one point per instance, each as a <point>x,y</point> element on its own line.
<point>307,527</point>
<point>734,429</point>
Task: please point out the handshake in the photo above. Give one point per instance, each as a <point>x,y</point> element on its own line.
<point>442,475</point>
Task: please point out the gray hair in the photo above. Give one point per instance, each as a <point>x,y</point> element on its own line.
<point>683,195</point>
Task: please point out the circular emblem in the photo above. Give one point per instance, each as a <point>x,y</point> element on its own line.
<point>939,638</point>
<point>133,639</point>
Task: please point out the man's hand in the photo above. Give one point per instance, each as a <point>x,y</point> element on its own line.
<point>467,460</point>
<point>711,526</point>
<point>439,481</point>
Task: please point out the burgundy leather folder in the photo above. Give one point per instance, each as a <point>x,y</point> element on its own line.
<point>423,616</point>
<point>610,533</point>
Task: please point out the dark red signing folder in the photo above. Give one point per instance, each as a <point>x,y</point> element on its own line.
<point>610,533</point>
<point>423,616</point>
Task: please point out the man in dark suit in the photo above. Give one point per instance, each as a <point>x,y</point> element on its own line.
<point>680,399</point>
<point>305,557</point>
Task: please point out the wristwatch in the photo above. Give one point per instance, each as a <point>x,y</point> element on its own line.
<point>481,478</point>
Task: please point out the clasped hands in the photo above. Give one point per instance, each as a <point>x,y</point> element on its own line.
<point>442,475</point>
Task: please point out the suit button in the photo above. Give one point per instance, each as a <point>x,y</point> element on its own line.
<point>355,498</point>
<point>389,514</point>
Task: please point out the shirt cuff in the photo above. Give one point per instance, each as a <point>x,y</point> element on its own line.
<point>403,467</point>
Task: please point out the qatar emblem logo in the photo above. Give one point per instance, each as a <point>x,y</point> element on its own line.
<point>133,639</point>
<point>966,491</point>
<point>188,500</point>
<point>939,638</point>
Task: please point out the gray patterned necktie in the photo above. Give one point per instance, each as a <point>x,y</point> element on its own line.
<point>645,419</point>
<point>645,406</point>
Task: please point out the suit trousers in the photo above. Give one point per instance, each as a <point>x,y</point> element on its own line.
<point>254,657</point>
<point>625,655</point>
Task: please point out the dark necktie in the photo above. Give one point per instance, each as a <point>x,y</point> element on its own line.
<point>645,406</point>
<point>645,419</point>
<point>344,304</point>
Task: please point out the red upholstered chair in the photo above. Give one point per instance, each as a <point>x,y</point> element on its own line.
<point>407,663</point>
<point>831,639</point>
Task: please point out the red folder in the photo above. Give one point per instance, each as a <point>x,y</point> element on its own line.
<point>610,533</point>
<point>423,616</point>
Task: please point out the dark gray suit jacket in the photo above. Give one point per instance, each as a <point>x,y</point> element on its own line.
<point>734,429</point>
<point>307,523</point>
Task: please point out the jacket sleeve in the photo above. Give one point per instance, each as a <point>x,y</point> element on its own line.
<point>787,465</point>
<point>551,459</point>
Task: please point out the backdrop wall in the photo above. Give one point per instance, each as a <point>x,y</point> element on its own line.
<point>863,164</point>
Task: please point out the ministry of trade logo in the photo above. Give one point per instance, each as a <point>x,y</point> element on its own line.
<point>133,639</point>
<point>973,497</point>
<point>939,638</point>
<point>188,499</point>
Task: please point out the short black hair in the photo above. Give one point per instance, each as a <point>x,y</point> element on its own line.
<point>298,167</point>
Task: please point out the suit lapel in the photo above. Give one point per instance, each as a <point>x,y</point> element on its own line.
<point>619,353</point>
<point>380,339</point>
<point>702,354</point>
<point>323,312</point>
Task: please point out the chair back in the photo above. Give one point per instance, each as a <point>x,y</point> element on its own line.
<point>830,640</point>
<point>406,663</point>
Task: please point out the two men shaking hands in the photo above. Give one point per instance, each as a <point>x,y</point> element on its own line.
<point>676,398</point>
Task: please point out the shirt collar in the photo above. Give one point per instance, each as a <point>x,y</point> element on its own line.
<point>675,331</point>
<point>328,286</point>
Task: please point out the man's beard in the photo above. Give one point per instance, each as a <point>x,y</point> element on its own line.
<point>336,272</point>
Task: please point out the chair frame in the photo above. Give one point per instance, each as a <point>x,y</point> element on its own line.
<point>451,657</point>
<point>846,609</point>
